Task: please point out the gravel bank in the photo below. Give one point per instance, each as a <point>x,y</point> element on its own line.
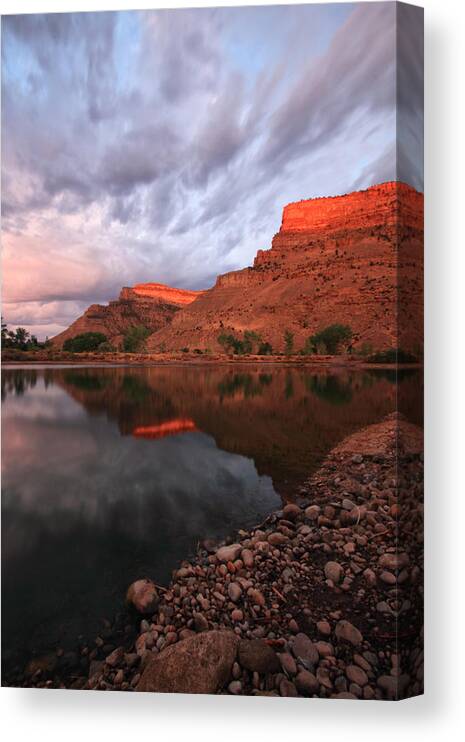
<point>324,599</point>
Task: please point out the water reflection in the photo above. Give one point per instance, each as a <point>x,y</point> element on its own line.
<point>112,473</point>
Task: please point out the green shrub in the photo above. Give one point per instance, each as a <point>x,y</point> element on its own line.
<point>251,338</point>
<point>365,350</point>
<point>309,348</point>
<point>288,342</point>
<point>106,347</point>
<point>86,341</point>
<point>265,349</point>
<point>134,339</point>
<point>331,339</point>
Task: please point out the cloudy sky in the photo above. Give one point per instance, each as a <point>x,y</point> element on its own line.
<point>162,145</point>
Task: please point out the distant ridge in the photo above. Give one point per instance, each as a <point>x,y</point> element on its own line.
<point>150,304</point>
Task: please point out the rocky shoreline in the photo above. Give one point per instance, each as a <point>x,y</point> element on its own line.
<point>324,599</point>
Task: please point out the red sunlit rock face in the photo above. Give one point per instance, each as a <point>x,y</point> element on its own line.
<point>386,204</point>
<point>163,430</point>
<point>163,293</point>
<point>355,259</point>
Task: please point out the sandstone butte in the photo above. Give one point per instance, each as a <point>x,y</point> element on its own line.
<point>356,259</point>
<point>150,304</point>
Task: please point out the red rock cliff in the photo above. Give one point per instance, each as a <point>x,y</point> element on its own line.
<point>386,204</point>
<point>354,259</point>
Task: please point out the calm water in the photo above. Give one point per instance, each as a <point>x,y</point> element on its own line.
<point>109,474</point>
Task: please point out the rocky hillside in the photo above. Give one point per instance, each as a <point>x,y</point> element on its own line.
<point>150,304</point>
<point>355,259</point>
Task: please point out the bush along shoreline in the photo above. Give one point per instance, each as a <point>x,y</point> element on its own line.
<point>324,599</point>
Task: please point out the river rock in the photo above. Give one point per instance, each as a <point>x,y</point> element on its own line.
<point>306,683</point>
<point>277,539</point>
<point>356,675</point>
<point>291,511</point>
<point>312,512</point>
<point>247,558</point>
<point>394,561</point>
<point>287,689</point>
<point>346,631</point>
<point>256,597</point>
<point>333,571</point>
<point>200,622</point>
<point>304,650</point>
<point>199,664</point>
<point>234,591</point>
<point>143,596</point>
<point>229,553</point>
<point>288,663</point>
<point>257,656</point>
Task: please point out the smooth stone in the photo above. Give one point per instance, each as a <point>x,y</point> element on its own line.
<point>277,539</point>
<point>333,571</point>
<point>304,649</point>
<point>324,628</point>
<point>143,596</point>
<point>291,511</point>
<point>346,631</point>
<point>306,683</point>
<point>388,578</point>
<point>229,553</point>
<point>247,558</point>
<point>288,663</point>
<point>256,597</point>
<point>356,675</point>
<point>200,664</point>
<point>235,687</point>
<point>257,656</point>
<point>394,561</point>
<point>234,591</point>
<point>287,689</point>
<point>200,622</point>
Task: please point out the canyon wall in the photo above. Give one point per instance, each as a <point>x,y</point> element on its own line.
<point>355,259</point>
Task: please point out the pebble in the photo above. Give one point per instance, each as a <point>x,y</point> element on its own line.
<point>304,649</point>
<point>228,553</point>
<point>346,631</point>
<point>234,591</point>
<point>333,571</point>
<point>356,675</point>
<point>287,689</point>
<point>288,663</point>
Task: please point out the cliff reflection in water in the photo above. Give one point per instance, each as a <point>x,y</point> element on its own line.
<point>114,473</point>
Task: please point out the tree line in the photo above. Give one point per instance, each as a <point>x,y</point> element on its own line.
<point>335,338</point>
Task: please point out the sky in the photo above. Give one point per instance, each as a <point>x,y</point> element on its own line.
<point>162,145</point>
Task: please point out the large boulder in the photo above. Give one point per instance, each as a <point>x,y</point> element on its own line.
<point>199,664</point>
<point>143,596</point>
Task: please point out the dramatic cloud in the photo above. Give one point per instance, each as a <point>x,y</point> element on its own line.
<point>162,145</point>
